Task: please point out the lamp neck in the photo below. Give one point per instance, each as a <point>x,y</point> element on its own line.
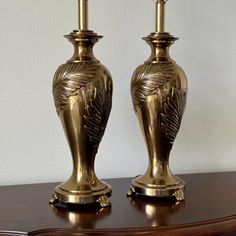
<point>83,42</point>
<point>160,44</point>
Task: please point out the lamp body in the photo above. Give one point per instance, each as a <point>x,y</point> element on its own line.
<point>159,89</point>
<point>82,90</point>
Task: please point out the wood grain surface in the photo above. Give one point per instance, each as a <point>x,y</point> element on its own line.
<point>209,209</point>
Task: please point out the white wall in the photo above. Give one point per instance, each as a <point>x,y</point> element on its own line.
<point>32,144</point>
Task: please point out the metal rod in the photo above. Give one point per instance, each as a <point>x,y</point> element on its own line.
<point>83,14</point>
<point>160,15</point>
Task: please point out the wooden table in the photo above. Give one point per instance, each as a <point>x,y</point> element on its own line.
<point>209,209</point>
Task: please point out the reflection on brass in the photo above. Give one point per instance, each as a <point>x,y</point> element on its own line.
<point>82,90</point>
<point>82,219</point>
<point>159,89</point>
<point>158,213</point>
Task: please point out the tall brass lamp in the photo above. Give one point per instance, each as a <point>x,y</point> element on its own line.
<point>159,89</point>
<point>82,90</point>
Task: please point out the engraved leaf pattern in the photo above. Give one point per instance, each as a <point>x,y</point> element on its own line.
<point>97,113</point>
<point>171,116</point>
<point>69,78</point>
<point>148,82</point>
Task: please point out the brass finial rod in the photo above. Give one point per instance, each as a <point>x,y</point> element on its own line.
<point>160,15</point>
<point>83,14</point>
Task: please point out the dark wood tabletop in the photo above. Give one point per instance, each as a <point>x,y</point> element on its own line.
<point>209,209</point>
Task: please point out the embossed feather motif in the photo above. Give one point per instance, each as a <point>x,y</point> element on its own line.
<point>171,117</point>
<point>97,114</point>
<point>147,82</point>
<point>69,78</point>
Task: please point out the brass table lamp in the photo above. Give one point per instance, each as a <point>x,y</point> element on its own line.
<point>82,90</point>
<point>159,89</point>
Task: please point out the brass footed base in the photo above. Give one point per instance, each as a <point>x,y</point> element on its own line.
<point>141,187</point>
<point>80,196</point>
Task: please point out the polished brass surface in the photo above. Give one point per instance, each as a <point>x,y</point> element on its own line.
<point>82,90</point>
<point>160,15</point>
<point>83,14</point>
<point>159,89</point>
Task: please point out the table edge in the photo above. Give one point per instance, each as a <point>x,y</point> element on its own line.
<point>224,225</point>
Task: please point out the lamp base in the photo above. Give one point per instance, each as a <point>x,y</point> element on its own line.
<point>174,190</point>
<point>97,195</point>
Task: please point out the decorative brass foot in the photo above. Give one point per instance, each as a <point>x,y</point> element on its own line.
<point>104,201</point>
<point>53,200</point>
<point>131,191</point>
<point>179,195</point>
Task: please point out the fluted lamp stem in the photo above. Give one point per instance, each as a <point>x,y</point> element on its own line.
<point>83,14</point>
<point>160,15</point>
